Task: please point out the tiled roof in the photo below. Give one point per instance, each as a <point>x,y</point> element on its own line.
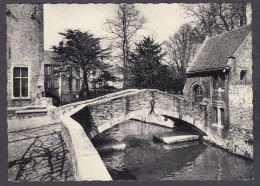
<point>50,57</point>
<point>215,51</point>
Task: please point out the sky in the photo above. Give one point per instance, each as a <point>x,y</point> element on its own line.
<point>163,20</point>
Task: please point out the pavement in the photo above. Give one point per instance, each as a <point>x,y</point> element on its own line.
<point>36,151</point>
<point>29,123</point>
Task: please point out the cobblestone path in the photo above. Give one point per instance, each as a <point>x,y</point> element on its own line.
<point>38,154</point>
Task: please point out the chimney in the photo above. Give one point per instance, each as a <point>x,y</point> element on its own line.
<point>248,13</point>
<point>231,61</point>
<point>61,44</point>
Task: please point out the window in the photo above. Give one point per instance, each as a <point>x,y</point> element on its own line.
<point>215,115</point>
<point>20,83</point>
<point>48,70</point>
<point>222,116</point>
<point>198,94</point>
<point>55,83</point>
<point>48,83</point>
<point>219,116</point>
<point>243,75</point>
<point>77,84</point>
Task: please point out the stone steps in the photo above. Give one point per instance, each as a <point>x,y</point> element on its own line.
<point>31,111</point>
<point>35,107</point>
<point>175,139</point>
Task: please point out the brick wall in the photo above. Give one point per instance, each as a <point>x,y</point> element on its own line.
<point>243,61</point>
<point>24,47</point>
<point>241,96</point>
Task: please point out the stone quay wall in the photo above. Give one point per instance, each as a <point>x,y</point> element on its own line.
<point>86,162</point>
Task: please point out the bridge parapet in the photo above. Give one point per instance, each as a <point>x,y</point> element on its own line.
<point>180,105</point>
<point>56,112</point>
<point>100,115</point>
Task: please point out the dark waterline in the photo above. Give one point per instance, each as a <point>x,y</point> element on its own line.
<point>145,159</point>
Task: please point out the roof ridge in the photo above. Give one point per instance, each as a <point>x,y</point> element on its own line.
<point>230,31</point>
<point>214,50</point>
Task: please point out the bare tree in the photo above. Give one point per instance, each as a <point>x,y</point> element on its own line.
<point>181,48</point>
<point>215,18</point>
<point>123,27</point>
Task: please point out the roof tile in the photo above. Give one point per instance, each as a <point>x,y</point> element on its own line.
<point>216,50</point>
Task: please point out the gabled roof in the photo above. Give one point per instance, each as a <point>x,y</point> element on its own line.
<point>51,58</point>
<point>215,51</point>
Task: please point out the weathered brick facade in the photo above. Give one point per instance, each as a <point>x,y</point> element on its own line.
<point>25,50</point>
<point>234,97</point>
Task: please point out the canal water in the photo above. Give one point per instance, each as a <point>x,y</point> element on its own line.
<point>145,159</point>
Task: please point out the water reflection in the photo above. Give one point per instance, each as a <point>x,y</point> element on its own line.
<point>144,159</point>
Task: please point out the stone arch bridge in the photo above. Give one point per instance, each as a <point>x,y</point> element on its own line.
<point>148,105</point>
<point>92,117</point>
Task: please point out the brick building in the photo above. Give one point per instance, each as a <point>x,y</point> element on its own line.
<point>24,54</point>
<point>70,89</point>
<point>220,77</point>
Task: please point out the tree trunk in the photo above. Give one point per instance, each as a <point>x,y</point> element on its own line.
<point>124,50</point>
<point>85,83</point>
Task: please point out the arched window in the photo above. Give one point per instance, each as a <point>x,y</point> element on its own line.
<point>198,93</point>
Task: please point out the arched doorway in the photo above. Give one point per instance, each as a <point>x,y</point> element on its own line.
<point>197,93</point>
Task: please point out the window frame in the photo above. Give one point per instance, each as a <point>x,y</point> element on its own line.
<point>28,82</point>
<point>198,93</point>
<point>222,116</point>
<point>55,83</point>
<point>48,83</point>
<point>48,69</point>
<point>215,114</point>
